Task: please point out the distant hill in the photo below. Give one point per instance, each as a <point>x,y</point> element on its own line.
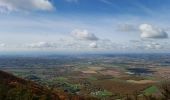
<point>14,88</point>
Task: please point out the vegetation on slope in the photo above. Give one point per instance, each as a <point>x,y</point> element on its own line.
<point>13,88</point>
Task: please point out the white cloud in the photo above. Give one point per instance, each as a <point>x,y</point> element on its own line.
<point>25,5</point>
<point>149,31</point>
<point>2,45</point>
<point>149,45</point>
<point>93,45</point>
<point>153,46</point>
<point>41,45</point>
<point>84,35</point>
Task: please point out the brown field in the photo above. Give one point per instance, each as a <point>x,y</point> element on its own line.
<point>141,81</point>
<point>120,87</point>
<point>110,72</point>
<point>89,72</point>
<point>162,73</point>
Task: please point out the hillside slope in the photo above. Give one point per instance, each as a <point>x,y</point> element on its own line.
<point>14,88</point>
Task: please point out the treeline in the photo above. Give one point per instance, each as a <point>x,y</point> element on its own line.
<point>21,92</point>
<point>26,93</point>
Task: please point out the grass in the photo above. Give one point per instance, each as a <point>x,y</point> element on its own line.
<point>92,78</point>
<point>56,80</point>
<point>151,90</point>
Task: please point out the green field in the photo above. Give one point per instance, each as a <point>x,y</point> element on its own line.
<point>151,90</point>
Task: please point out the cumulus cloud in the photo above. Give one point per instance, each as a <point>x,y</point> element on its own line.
<point>25,5</point>
<point>84,35</point>
<point>149,31</point>
<point>93,45</point>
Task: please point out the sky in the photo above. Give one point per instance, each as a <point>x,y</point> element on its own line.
<point>82,26</point>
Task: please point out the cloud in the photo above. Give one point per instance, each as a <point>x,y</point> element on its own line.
<point>126,28</point>
<point>84,35</point>
<point>153,46</point>
<point>72,1</point>
<point>41,45</point>
<point>148,45</point>
<point>149,31</point>
<point>2,45</point>
<point>25,5</point>
<point>93,45</point>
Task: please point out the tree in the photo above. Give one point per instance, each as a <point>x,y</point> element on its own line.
<point>165,90</point>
